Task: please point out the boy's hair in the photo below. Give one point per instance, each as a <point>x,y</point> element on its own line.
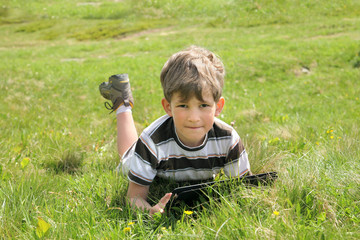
<point>192,71</point>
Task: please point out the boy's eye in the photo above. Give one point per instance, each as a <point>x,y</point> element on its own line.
<point>204,105</point>
<point>182,106</point>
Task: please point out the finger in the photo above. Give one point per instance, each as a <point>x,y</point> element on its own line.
<point>156,209</point>
<point>164,200</point>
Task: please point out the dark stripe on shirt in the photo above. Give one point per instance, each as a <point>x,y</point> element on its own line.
<point>219,130</point>
<point>198,163</point>
<point>235,152</point>
<point>164,132</point>
<point>143,151</point>
<point>134,178</point>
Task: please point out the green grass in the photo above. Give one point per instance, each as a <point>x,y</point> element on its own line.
<point>291,90</point>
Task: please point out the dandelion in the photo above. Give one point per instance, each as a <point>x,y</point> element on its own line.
<point>188,212</point>
<point>331,137</point>
<point>130,223</point>
<point>260,94</point>
<point>25,162</point>
<point>276,213</point>
<point>127,229</point>
<point>317,143</point>
<point>274,140</point>
<point>42,227</point>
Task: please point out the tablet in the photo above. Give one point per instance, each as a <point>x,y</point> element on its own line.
<point>192,193</point>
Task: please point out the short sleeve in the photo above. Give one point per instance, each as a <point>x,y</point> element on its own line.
<point>237,162</point>
<point>143,164</point>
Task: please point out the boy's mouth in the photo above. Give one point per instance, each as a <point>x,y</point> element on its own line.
<point>194,127</point>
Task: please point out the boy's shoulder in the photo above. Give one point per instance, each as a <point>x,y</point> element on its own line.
<point>162,130</point>
<point>159,130</point>
<point>222,128</point>
<point>156,124</point>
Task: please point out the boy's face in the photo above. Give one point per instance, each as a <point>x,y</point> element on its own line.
<point>193,118</point>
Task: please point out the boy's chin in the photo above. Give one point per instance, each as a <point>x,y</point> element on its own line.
<point>194,142</point>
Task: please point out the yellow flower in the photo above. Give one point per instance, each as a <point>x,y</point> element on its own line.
<point>317,143</point>
<point>130,223</point>
<point>276,213</point>
<point>331,137</point>
<point>127,229</point>
<point>188,212</point>
<point>42,227</point>
<point>25,162</point>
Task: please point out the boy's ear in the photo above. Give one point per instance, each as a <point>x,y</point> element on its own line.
<point>166,106</point>
<point>219,106</point>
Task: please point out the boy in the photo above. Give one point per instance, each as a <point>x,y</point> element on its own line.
<point>188,143</point>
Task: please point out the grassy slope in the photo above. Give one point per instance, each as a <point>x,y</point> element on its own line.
<point>291,88</point>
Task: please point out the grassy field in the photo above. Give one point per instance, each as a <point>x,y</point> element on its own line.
<point>292,90</point>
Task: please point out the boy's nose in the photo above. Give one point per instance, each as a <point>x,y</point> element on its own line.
<point>193,116</point>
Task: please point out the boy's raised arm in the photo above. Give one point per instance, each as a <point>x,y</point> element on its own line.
<point>137,196</point>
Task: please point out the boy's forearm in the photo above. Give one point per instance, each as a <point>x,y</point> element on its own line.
<point>137,196</point>
<point>139,203</point>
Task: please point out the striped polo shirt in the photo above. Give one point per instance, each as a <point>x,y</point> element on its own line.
<point>159,152</point>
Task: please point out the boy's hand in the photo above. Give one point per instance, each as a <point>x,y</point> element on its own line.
<point>159,207</point>
<point>137,196</point>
